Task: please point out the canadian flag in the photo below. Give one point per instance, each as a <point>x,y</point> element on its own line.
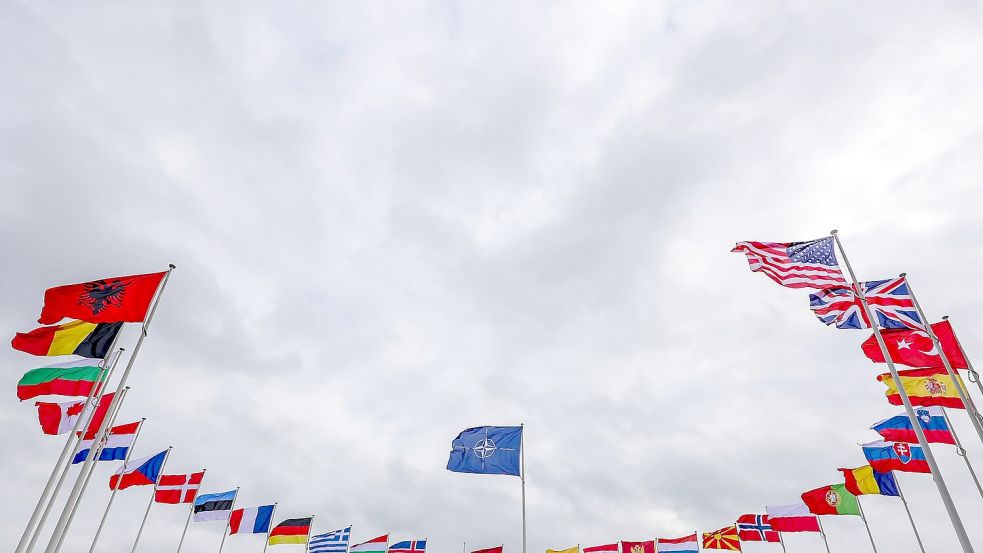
<point>60,418</point>
<point>178,488</point>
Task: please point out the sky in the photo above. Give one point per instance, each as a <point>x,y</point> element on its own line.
<point>393,221</point>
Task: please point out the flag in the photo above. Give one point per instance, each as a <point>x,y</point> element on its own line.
<point>214,506</point>
<point>606,548</point>
<point>685,544</point>
<point>726,538</point>
<point>117,444</point>
<point>331,542</point>
<point>110,300</point>
<point>498,549</point>
<point>141,472</point>
<point>292,530</point>
<point>932,420</point>
<point>889,300</point>
<point>486,450</point>
<point>916,349</point>
<point>72,378</point>
<point>574,549</point>
<point>638,546</point>
<point>925,387</point>
<point>252,520</point>
<point>810,264</point>
<point>59,418</point>
<point>755,528</point>
<point>178,488</point>
<point>375,545</point>
<point>417,546</point>
<point>831,500</point>
<point>867,481</point>
<point>72,338</point>
<point>902,457</point>
<point>794,517</point>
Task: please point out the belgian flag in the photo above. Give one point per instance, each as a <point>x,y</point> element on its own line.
<point>76,337</point>
<point>292,530</point>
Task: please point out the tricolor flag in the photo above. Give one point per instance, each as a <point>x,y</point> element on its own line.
<point>867,481</point>
<point>416,546</point>
<point>685,544</point>
<point>109,300</point>
<point>72,338</point>
<point>178,488</point>
<point>59,418</point>
<point>251,520</point>
<point>932,420</point>
<point>794,517</point>
<point>887,456</point>
<point>376,545</point>
<point>214,506</point>
<point>292,530</point>
<point>330,542</point>
<point>71,378</point>
<point>606,548</point>
<point>117,444</point>
<point>141,472</point>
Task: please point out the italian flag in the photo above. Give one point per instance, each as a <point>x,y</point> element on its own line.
<point>375,545</point>
<point>74,378</point>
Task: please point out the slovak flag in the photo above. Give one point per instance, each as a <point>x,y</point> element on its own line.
<point>141,472</point>
<point>118,443</point>
<point>899,456</point>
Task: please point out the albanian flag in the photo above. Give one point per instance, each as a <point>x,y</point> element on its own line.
<point>915,349</point>
<point>110,300</point>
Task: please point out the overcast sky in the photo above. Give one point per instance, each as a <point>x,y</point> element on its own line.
<point>396,220</point>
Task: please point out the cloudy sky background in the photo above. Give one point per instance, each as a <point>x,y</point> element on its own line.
<point>393,221</point>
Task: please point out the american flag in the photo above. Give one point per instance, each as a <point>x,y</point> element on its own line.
<point>418,546</point>
<point>889,300</point>
<point>809,264</point>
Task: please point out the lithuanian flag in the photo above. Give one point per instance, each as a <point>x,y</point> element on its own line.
<point>77,337</point>
<point>74,378</point>
<point>292,530</point>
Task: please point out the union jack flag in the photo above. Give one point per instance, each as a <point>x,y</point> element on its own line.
<point>809,264</point>
<point>418,546</point>
<point>889,300</point>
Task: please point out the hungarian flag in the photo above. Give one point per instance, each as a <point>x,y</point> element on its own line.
<point>794,517</point>
<point>110,300</point>
<point>867,481</point>
<point>178,488</point>
<point>726,538</point>
<point>916,349</point>
<point>375,545</point>
<point>59,418</point>
<point>925,387</point>
<point>72,338</point>
<point>293,530</point>
<point>73,378</point>
<point>638,546</point>
<point>141,472</point>
<point>831,500</point>
<point>756,528</point>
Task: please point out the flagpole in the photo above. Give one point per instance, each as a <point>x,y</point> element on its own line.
<point>151,502</point>
<point>229,520</point>
<point>971,410</point>
<point>191,510</point>
<point>822,532</point>
<point>269,527</point>
<point>62,527</point>
<point>867,526</point>
<point>522,477</point>
<point>47,499</point>
<point>310,527</point>
<point>782,542</point>
<point>961,451</point>
<point>910,518</point>
<point>950,507</point>
<point>973,375</point>
<point>112,495</point>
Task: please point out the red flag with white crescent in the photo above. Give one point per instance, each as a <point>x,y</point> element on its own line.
<point>914,348</point>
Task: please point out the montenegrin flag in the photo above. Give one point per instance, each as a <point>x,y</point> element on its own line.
<point>376,545</point>
<point>292,530</point>
<point>638,546</point>
<point>110,300</point>
<point>72,338</point>
<point>831,500</point>
<point>924,387</point>
<point>72,378</point>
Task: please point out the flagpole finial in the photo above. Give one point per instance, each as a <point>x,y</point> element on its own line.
<point>172,266</point>
<point>833,231</point>
<point>945,317</point>
<point>902,275</point>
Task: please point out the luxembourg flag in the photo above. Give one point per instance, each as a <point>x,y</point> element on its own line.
<point>141,472</point>
<point>117,444</point>
<point>687,544</point>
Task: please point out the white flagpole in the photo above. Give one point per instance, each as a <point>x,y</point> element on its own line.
<point>112,495</point>
<point>822,533</point>
<point>867,526</point>
<point>950,507</point>
<point>228,520</point>
<point>310,527</point>
<point>522,470</point>
<point>910,518</point>
<point>974,376</point>
<point>961,451</point>
<point>191,510</point>
<point>270,527</point>
<point>782,542</point>
<point>151,502</point>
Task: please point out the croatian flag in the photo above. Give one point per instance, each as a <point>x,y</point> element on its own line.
<point>141,472</point>
<point>686,544</point>
<point>251,520</point>
<point>932,420</point>
<point>117,444</point>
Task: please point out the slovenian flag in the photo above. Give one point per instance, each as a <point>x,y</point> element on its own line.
<point>141,472</point>
<point>251,520</point>
<point>117,444</point>
<point>932,420</point>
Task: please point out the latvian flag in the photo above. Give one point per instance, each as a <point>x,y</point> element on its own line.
<point>251,520</point>
<point>118,443</point>
<point>178,488</point>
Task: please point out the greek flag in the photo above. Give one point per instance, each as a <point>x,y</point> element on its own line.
<point>332,542</point>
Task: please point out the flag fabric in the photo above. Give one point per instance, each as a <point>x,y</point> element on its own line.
<point>214,506</point>
<point>831,500</point>
<point>932,420</point>
<point>638,546</point>
<point>331,542</point>
<point>574,549</point>
<point>487,450</point>
<point>685,544</point>
<point>726,538</point>
<point>794,517</point>
<point>887,456</point>
<point>109,300</point>
<point>118,443</point>
<point>59,418</point>
<point>414,546</point>
<point>810,264</point>
<point>925,387</point>
<point>375,545</point>
<point>889,300</point>
<point>916,349</point>
<point>756,528</point>
<point>498,549</point>
<point>606,548</point>
<point>867,481</point>
<point>178,488</point>
<point>72,338</point>
<point>292,530</point>
<point>141,472</point>
<point>72,378</point>
<point>252,520</point>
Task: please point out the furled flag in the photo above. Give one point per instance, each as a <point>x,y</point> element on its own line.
<point>685,544</point>
<point>606,548</point>
<point>916,349</point>
<point>141,472</point>
<point>889,300</point>
<point>253,520</point>
<point>331,542</point>
<point>867,481</point>
<point>498,549</point>
<point>378,544</point>
<point>59,418</point>
<point>574,549</point>
<point>414,546</point>
<point>638,546</point>
<point>932,420</point>
<point>756,528</point>
<point>902,457</point>
<point>487,450</point>
<point>831,500</point>
<point>925,387</point>
<point>292,530</point>
<point>72,338</point>
<point>214,506</point>
<point>110,300</point>
<point>794,517</point>
<point>72,378</point>
<point>726,538</point>
<point>809,264</point>
<point>178,488</point>
<point>117,444</point>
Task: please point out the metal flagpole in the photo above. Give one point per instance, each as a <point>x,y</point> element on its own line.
<point>522,477</point>
<point>822,532</point>
<point>950,507</point>
<point>151,502</point>
<point>867,526</point>
<point>310,527</point>
<point>63,523</point>
<point>961,451</point>
<point>191,510</point>
<point>910,518</point>
<point>782,542</point>
<point>974,376</point>
<point>112,495</point>
<point>269,528</point>
<point>228,520</point>
<point>47,499</point>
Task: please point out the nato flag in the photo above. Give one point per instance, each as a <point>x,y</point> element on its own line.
<point>487,450</point>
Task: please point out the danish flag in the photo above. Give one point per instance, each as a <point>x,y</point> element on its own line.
<point>178,488</point>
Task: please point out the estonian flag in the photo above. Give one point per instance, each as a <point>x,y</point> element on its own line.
<point>214,506</point>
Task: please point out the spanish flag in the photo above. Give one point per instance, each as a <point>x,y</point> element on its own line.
<point>925,387</point>
<point>292,530</point>
<point>76,337</point>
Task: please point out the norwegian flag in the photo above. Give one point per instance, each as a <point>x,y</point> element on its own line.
<point>809,264</point>
<point>756,528</point>
<point>178,488</point>
<point>889,300</point>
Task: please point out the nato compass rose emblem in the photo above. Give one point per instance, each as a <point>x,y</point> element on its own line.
<point>485,448</point>
<point>903,452</point>
<point>100,294</point>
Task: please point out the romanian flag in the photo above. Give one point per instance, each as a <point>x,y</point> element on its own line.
<point>867,481</point>
<point>74,378</point>
<point>292,530</point>
<point>925,387</point>
<point>72,338</point>
<point>726,538</point>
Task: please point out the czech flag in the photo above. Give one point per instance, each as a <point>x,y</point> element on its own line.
<point>887,456</point>
<point>141,472</point>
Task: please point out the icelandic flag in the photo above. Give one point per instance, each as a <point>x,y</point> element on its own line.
<point>417,546</point>
<point>251,520</point>
<point>117,444</point>
<point>141,472</point>
<point>487,450</point>
<point>932,420</point>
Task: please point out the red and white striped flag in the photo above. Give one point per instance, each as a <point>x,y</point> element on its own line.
<point>809,264</point>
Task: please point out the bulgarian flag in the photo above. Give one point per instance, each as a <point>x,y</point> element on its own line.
<point>73,378</point>
<point>375,545</point>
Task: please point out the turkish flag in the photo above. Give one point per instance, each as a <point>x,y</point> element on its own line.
<point>915,349</point>
<point>110,300</point>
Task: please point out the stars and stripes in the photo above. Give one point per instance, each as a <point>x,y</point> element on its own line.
<point>889,300</point>
<point>417,546</point>
<point>809,264</point>
<point>331,542</point>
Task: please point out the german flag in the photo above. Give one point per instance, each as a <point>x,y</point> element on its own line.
<point>292,530</point>
<point>77,337</point>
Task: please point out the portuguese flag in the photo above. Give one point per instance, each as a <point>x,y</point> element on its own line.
<point>76,337</point>
<point>831,500</point>
<point>74,378</point>
<point>292,530</point>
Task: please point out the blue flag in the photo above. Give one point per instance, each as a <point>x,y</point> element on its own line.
<point>487,450</point>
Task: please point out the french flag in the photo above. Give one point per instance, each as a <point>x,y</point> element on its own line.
<point>141,472</point>
<point>117,444</point>
<point>932,420</point>
<point>687,544</point>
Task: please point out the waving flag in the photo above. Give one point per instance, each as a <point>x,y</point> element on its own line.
<point>606,548</point>
<point>831,500</point>
<point>498,549</point>
<point>141,472</point>
<point>178,488</point>
<point>331,542</point>
<point>574,549</point>
<point>889,300</point>
<point>794,517</point>
<point>110,300</point>
<point>925,387</point>
<point>487,450</point>
<point>932,420</point>
<point>417,546</point>
<point>72,338</point>
<point>292,530</point>
<point>809,264</point>
<point>214,506</point>
<point>756,528</point>
<point>867,481</point>
<point>375,545</point>
<point>916,349</point>
<point>902,457</point>
<point>117,444</point>
<point>638,546</point>
<point>59,418</point>
<point>685,544</point>
<point>254,520</point>
<point>72,378</point>
<point>726,538</point>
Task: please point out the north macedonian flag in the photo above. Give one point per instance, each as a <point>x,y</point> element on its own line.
<point>109,300</point>
<point>72,338</point>
<point>292,530</point>
<point>726,538</point>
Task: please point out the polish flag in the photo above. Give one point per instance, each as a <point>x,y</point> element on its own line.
<point>794,517</point>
